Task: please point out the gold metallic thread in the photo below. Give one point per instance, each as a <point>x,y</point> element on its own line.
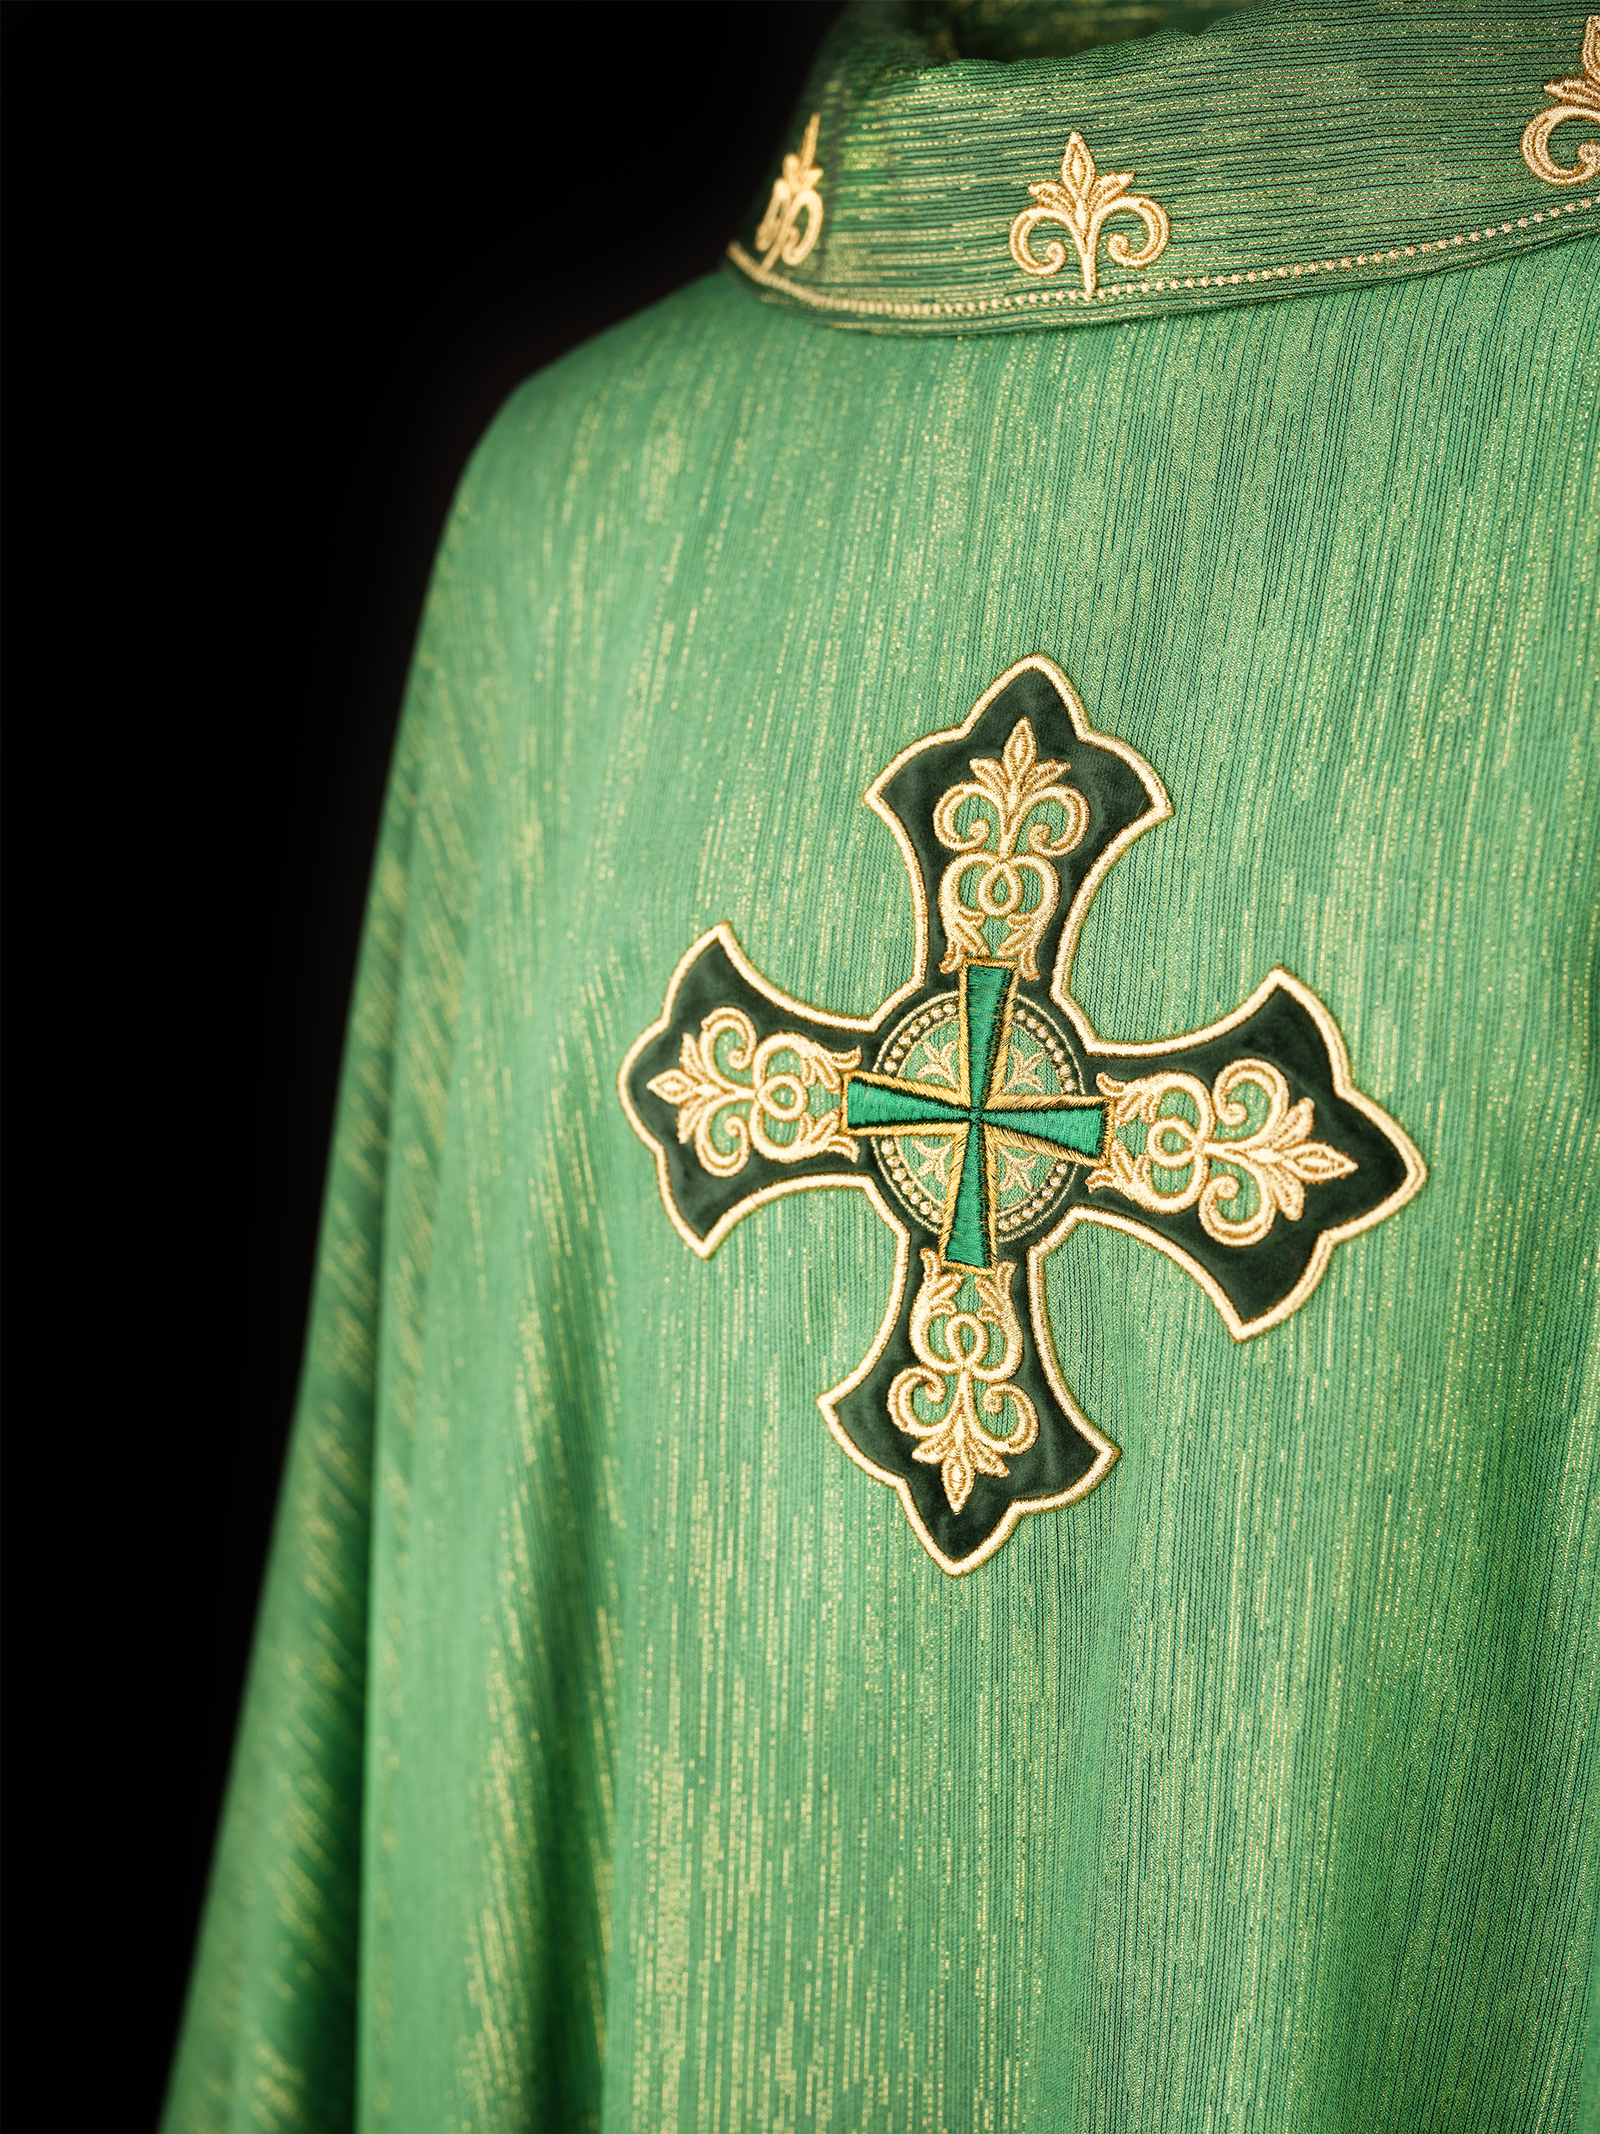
<point>966,1360</point>
<point>792,224</point>
<point>1279,1156</point>
<point>1013,793</point>
<point>1007,794</point>
<point>726,1117</point>
<point>1577,97</point>
<point>1084,199</point>
<point>1377,258</point>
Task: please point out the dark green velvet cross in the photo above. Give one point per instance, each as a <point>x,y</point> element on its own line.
<point>875,1103</point>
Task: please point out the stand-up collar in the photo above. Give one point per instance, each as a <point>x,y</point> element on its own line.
<point>940,177</point>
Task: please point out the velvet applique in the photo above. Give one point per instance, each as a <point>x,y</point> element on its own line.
<point>984,1118</point>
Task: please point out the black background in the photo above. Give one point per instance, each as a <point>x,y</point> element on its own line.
<point>271,269</point>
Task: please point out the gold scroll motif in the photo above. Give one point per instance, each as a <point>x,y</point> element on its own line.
<point>727,1116</point>
<point>955,1372</point>
<point>1081,203</point>
<point>782,235</point>
<point>1014,786</point>
<point>1279,1156</point>
<point>1577,97</point>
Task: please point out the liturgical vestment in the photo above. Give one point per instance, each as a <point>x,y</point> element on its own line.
<point>946,1470</point>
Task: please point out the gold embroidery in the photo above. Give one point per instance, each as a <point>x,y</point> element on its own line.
<point>933,1164</point>
<point>939,1061</point>
<point>918,1170</point>
<point>1081,203</point>
<point>1279,1157</point>
<point>1019,1168</point>
<point>727,1117</point>
<point>1022,1071</point>
<point>954,307</point>
<point>1016,786</point>
<point>1283,1156</point>
<point>1578,97</point>
<point>794,193</point>
<point>955,1441</point>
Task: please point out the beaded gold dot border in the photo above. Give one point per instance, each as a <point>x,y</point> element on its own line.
<point>1037,299</point>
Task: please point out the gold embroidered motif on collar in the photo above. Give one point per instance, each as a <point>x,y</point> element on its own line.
<point>781,234</point>
<point>992,1121</point>
<point>1578,97</point>
<point>1081,203</point>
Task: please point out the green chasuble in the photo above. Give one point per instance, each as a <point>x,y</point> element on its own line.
<point>944,1477</point>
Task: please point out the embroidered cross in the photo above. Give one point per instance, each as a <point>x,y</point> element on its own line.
<point>982,1118</point>
<point>991,1120</point>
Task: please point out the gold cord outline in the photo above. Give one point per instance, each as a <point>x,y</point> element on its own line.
<point>1106,1452</point>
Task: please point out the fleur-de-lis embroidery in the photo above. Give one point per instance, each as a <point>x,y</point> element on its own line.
<point>712,1096</point>
<point>1279,1156</point>
<point>1022,1072</point>
<point>1577,97</point>
<point>782,235</point>
<point>957,1372</point>
<point>933,1164</point>
<point>1010,794</point>
<point>1019,1169</point>
<point>1081,203</point>
<point>939,1062</point>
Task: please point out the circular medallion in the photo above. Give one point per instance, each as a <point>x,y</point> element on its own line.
<point>925,1047</point>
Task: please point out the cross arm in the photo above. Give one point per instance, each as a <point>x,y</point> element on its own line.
<point>739,1093</point>
<point>1115,797</point>
<point>878,1104</point>
<point>1245,1151</point>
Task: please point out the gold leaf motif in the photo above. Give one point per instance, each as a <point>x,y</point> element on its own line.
<point>1577,97</point>
<point>1018,1169</point>
<point>726,1116</point>
<point>1023,1073</point>
<point>934,1164</point>
<point>955,1372</point>
<point>1279,1157</point>
<point>1010,790</point>
<point>781,234</point>
<point>938,1063</point>
<point>1081,203</point>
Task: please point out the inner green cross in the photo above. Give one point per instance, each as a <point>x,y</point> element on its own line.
<point>875,1104</point>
